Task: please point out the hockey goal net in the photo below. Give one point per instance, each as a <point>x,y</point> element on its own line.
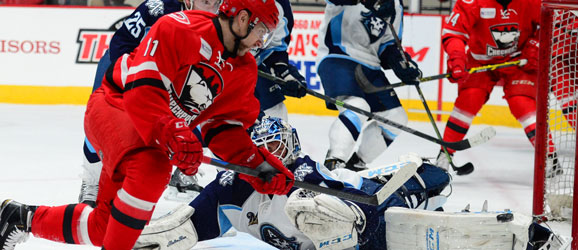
<point>556,157</point>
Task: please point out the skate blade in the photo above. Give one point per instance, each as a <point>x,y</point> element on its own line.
<point>174,195</point>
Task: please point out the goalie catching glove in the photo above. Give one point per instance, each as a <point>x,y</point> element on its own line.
<point>295,84</point>
<point>328,221</point>
<point>184,150</point>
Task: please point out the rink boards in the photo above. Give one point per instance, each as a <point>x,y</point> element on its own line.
<point>51,55</point>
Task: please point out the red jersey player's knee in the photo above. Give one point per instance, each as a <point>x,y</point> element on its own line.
<point>520,87</point>
<point>521,106</point>
<point>471,100</point>
<point>147,173</point>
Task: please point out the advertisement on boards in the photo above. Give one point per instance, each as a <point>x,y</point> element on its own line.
<point>51,56</point>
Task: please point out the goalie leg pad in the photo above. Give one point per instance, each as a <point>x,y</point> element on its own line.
<point>419,229</point>
<point>174,231</point>
<point>328,221</point>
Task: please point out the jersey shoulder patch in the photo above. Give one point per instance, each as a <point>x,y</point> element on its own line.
<point>206,49</point>
<point>155,7</point>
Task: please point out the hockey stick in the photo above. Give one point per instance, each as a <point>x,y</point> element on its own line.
<point>391,168</point>
<point>378,198</point>
<point>480,69</point>
<point>462,170</point>
<point>475,140</point>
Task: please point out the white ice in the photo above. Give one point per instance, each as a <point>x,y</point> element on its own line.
<point>41,156</point>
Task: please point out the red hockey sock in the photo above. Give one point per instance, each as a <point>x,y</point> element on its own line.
<point>467,105</point>
<point>148,173</point>
<point>129,215</point>
<point>63,223</point>
<point>524,109</point>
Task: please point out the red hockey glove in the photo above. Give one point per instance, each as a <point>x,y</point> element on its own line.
<point>530,53</point>
<point>185,151</point>
<point>279,178</point>
<point>457,67</point>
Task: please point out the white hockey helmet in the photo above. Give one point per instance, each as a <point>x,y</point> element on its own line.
<point>278,137</point>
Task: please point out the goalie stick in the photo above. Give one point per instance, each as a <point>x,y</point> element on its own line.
<point>398,179</point>
<point>480,138</point>
<point>462,170</point>
<point>471,71</point>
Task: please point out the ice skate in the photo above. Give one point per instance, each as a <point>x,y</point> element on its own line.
<point>15,221</point>
<point>442,160</point>
<point>355,163</point>
<point>333,164</point>
<point>182,187</point>
<point>89,188</point>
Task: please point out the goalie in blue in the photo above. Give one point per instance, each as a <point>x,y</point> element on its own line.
<point>229,202</point>
<point>309,220</point>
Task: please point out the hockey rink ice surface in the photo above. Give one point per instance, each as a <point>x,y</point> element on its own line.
<point>41,157</point>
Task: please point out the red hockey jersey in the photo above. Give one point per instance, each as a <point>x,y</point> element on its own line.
<point>181,68</point>
<point>493,33</point>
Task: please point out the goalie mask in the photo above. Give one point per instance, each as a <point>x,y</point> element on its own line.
<point>278,137</point>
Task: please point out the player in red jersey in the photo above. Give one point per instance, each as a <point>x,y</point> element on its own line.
<point>191,69</point>
<point>495,31</point>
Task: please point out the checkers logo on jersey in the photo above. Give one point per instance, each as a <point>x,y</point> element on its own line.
<point>202,85</point>
<point>506,38</point>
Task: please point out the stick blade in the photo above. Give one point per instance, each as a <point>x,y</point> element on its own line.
<point>465,169</point>
<point>482,137</point>
<point>398,179</point>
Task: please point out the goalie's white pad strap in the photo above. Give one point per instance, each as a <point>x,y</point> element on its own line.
<point>419,229</point>
<point>174,231</point>
<point>432,203</point>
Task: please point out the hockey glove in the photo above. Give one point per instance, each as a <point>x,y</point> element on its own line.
<point>274,178</point>
<point>382,8</point>
<point>184,150</point>
<point>295,84</point>
<point>325,218</point>
<point>530,53</point>
<point>457,67</point>
<point>408,72</point>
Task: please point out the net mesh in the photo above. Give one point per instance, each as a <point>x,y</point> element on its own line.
<point>562,115</point>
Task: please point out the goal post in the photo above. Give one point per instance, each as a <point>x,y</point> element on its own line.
<point>555,146</point>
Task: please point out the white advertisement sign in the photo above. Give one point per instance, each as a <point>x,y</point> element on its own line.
<point>420,39</point>
<point>46,46</point>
